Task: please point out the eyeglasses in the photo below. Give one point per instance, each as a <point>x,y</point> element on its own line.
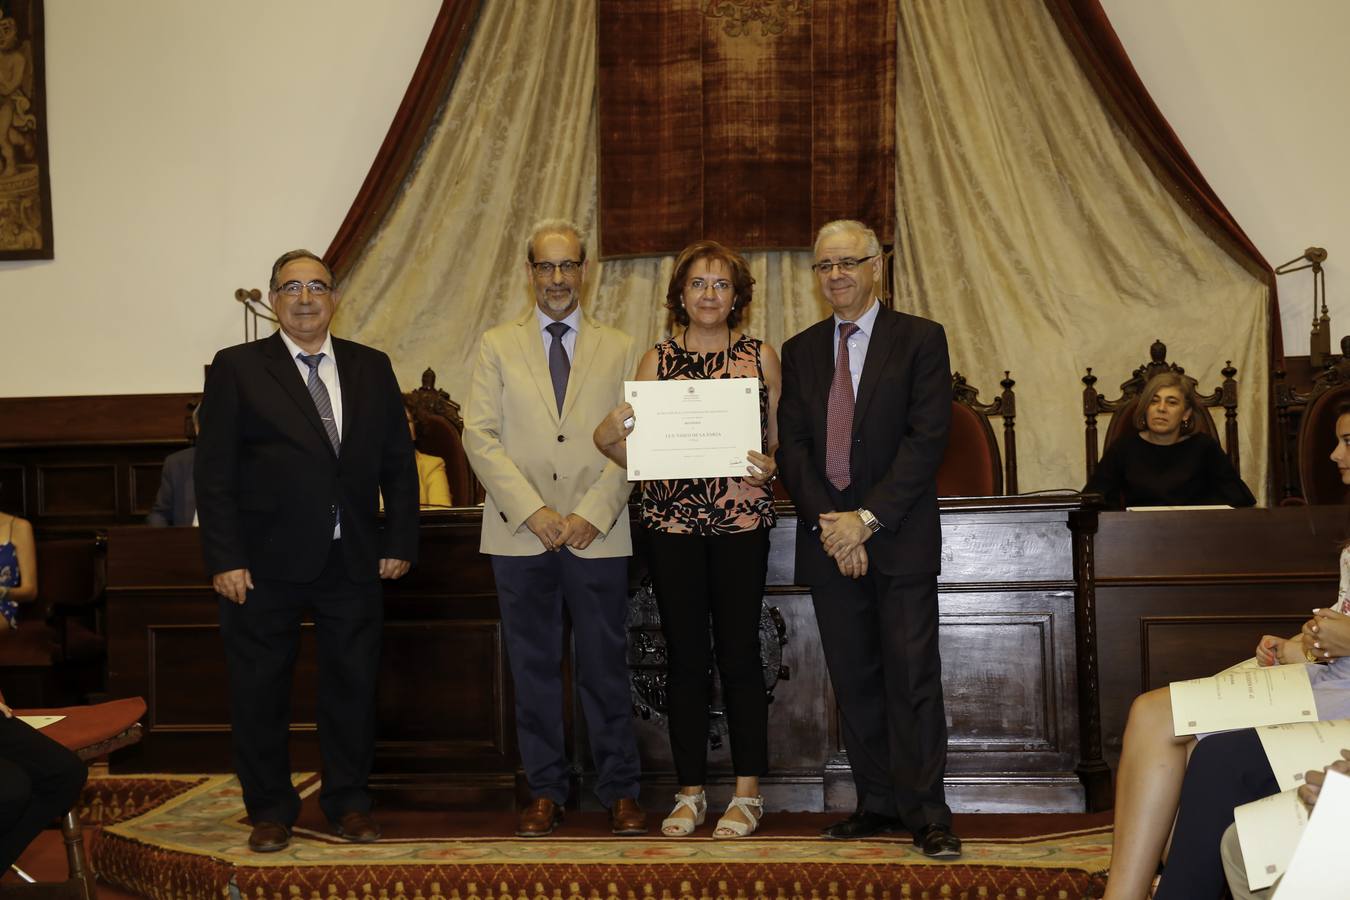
<point>315,288</point>
<point>848,265</point>
<point>569,268</point>
<point>698,286</point>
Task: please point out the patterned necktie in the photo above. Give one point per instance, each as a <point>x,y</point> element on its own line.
<point>559,367</point>
<point>322,403</point>
<point>839,418</point>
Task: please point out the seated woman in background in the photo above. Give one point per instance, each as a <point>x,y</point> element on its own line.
<point>18,568</point>
<point>433,487</point>
<point>1154,761</point>
<point>708,541</point>
<point>1166,462</point>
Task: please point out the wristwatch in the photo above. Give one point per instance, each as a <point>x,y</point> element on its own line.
<point>869,520</point>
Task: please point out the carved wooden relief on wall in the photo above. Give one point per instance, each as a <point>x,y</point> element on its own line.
<point>25,186</point>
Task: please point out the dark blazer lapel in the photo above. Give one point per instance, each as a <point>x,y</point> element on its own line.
<point>879,348</point>
<point>349,376</point>
<point>281,367</point>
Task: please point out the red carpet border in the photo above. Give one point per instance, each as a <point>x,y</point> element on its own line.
<point>170,837</point>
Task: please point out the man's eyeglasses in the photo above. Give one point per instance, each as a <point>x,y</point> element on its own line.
<point>569,268</point>
<point>848,265</point>
<point>698,286</point>
<point>315,288</point>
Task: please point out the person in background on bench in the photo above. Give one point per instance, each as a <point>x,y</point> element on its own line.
<point>18,568</point>
<point>1155,777</point>
<point>176,501</point>
<point>433,488</point>
<point>39,781</point>
<point>1166,462</point>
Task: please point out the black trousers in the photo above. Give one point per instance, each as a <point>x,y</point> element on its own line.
<point>1225,771</point>
<point>531,592</point>
<point>39,781</point>
<point>880,637</point>
<point>262,640</point>
<point>719,576</point>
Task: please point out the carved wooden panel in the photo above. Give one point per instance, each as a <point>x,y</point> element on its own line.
<point>1001,696</point>
<point>144,486</point>
<point>13,496</point>
<point>1005,548</point>
<point>80,490</point>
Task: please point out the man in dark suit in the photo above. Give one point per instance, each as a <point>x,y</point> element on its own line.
<point>862,427</point>
<point>176,501</point>
<point>300,433</point>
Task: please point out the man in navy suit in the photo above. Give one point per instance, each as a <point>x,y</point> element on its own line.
<point>300,433</point>
<point>862,427</point>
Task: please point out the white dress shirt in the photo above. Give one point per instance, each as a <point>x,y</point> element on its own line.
<point>569,338</point>
<point>858,342</point>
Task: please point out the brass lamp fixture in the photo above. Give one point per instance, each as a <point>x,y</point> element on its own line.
<point>1319,342</point>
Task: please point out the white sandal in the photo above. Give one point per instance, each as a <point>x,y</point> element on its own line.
<point>751,807</point>
<point>679,826</point>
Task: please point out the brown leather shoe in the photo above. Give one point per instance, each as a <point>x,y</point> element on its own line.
<point>269,837</point>
<point>627,817</point>
<point>539,818</point>
<point>358,827</point>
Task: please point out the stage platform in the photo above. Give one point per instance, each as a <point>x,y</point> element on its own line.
<point>184,836</point>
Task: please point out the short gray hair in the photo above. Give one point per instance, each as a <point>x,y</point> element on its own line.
<point>840,226</point>
<point>554,226</point>
<point>292,256</point>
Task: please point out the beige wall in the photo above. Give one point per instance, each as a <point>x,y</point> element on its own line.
<point>190,143</point>
<point>1254,90</point>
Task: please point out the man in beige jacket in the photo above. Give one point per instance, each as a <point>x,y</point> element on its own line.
<point>555,525</point>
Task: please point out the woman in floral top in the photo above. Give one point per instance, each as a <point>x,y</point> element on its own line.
<point>708,541</point>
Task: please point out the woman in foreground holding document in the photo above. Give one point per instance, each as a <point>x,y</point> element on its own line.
<point>1153,760</point>
<point>709,541</point>
<point>1166,462</point>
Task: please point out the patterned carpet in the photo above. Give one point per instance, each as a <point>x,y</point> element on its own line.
<point>167,836</point>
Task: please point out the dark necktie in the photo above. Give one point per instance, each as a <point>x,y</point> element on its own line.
<point>559,367</point>
<point>322,403</point>
<point>839,416</point>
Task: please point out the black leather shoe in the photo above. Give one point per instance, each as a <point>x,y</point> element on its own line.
<point>862,824</point>
<point>938,842</point>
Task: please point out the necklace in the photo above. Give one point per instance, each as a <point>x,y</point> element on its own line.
<point>726,361</point>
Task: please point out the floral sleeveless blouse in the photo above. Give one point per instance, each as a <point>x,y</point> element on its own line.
<point>710,505</point>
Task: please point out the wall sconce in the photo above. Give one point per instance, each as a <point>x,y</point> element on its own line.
<point>1319,342</point>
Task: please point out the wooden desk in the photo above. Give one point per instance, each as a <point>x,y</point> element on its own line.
<point>1008,597</point>
<point>1186,593</point>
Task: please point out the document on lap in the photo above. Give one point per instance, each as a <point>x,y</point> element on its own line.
<point>39,721</point>
<point>1242,698</point>
<point>692,428</point>
<point>1268,830</point>
<point>1296,747</point>
<point>1314,869</point>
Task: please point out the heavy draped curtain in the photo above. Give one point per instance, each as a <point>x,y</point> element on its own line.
<point>1028,223</point>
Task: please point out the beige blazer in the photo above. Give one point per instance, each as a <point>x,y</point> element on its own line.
<point>527,455</point>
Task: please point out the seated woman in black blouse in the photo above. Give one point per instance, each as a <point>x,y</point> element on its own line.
<point>1166,463</point>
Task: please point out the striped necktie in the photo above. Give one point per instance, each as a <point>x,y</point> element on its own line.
<point>322,403</point>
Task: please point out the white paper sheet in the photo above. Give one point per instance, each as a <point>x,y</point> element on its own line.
<point>1268,830</point>
<point>1242,698</point>
<point>1316,871</point>
<point>1296,747</point>
<point>39,721</point>
<point>692,428</point>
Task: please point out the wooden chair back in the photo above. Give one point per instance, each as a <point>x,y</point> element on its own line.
<point>1122,409</point>
<point>440,432</point>
<point>972,465</point>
